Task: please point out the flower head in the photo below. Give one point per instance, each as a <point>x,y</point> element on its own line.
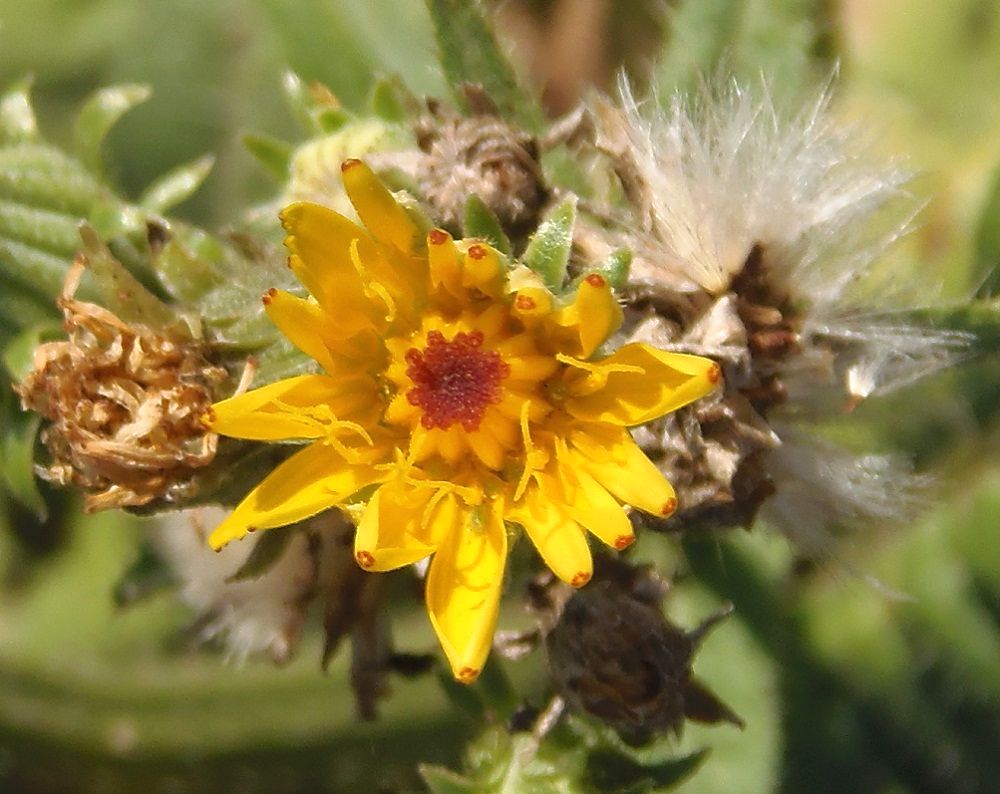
<point>458,394</point>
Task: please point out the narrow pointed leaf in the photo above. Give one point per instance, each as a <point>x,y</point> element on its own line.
<point>548,252</point>
<point>273,154</point>
<point>392,101</point>
<point>99,115</point>
<point>44,177</point>
<point>469,53</point>
<point>120,291</point>
<point>17,118</point>
<point>987,242</point>
<point>481,222</point>
<point>615,268</point>
<point>177,185</point>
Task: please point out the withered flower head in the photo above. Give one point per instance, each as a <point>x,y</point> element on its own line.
<point>124,402</point>
<point>480,155</point>
<point>756,233</point>
<point>614,655</point>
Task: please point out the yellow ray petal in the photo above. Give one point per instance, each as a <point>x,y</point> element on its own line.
<point>591,318</point>
<point>464,583</point>
<point>301,407</point>
<point>377,208</point>
<point>643,383</point>
<point>559,539</point>
<point>319,241</point>
<point>589,503</point>
<point>306,325</point>
<point>483,269</point>
<point>389,533</point>
<point>611,456</point>
<point>312,480</point>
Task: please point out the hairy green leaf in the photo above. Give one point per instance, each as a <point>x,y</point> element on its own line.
<point>273,154</point>
<point>177,185</point>
<point>99,114</point>
<point>480,221</point>
<point>549,249</point>
<point>469,54</point>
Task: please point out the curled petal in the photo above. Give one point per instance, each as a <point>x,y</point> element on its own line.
<point>464,583</point>
<point>308,482</point>
<point>589,503</point>
<point>639,383</point>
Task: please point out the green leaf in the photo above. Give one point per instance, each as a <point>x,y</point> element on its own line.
<point>18,354</point>
<point>481,222</point>
<point>615,268</point>
<point>177,185</point>
<point>120,291</point>
<point>548,252</point>
<point>21,307</point>
<point>611,770</point>
<point>99,114</point>
<point>147,575</point>
<point>17,118</point>
<point>746,38</point>
<point>316,108</point>
<point>44,177</point>
<point>17,453</point>
<point>469,53</point>
<point>987,242</point>
<point>392,101</point>
<point>440,780</point>
<point>274,154</point>
<point>267,551</point>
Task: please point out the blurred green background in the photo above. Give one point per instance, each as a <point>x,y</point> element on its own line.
<point>843,686</point>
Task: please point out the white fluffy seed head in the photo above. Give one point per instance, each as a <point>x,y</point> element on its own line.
<point>253,616</point>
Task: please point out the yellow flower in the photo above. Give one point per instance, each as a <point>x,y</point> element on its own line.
<point>458,395</point>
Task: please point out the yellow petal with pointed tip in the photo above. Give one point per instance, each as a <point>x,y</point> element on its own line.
<point>377,208</point>
<point>310,481</point>
<point>591,318</point>
<point>308,326</point>
<point>643,383</point>
<point>390,533</point>
<point>611,456</point>
<point>305,406</point>
<point>464,584</point>
<point>560,541</point>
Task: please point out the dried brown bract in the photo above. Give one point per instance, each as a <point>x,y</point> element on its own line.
<point>614,655</point>
<point>480,155</point>
<point>125,403</point>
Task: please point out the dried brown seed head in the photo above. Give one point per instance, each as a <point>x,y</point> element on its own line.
<point>125,404</point>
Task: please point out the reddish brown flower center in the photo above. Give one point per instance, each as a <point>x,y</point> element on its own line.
<point>454,381</point>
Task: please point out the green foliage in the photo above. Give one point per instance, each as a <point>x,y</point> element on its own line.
<point>745,38</point>
<point>987,242</point>
<point>549,248</point>
<point>480,222</point>
<point>469,54</point>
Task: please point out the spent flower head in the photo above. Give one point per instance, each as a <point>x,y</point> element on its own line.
<point>459,395</point>
<point>756,233</point>
<point>125,402</point>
